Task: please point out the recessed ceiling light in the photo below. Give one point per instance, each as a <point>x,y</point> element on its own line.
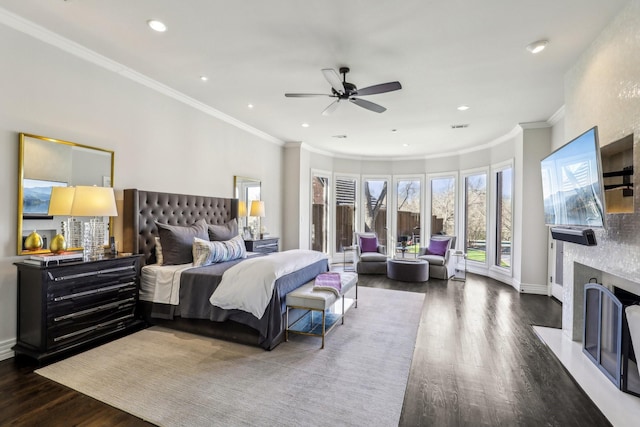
<point>340,136</point>
<point>394,130</point>
<point>157,25</point>
<point>305,125</point>
<point>537,46</point>
<point>249,106</point>
<point>405,145</point>
<point>204,78</point>
<point>463,107</point>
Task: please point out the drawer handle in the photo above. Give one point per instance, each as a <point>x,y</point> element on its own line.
<point>93,310</point>
<point>91,273</point>
<point>93,291</point>
<point>91,329</point>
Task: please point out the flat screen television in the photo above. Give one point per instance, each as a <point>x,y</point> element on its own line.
<point>572,184</point>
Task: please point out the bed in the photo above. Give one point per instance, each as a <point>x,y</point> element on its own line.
<point>190,309</point>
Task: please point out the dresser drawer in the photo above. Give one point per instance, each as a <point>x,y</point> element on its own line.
<point>71,330</point>
<point>267,245</point>
<point>90,297</point>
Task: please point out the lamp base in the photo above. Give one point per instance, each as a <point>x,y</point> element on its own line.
<point>94,239</point>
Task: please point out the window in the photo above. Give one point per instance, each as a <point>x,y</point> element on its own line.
<point>443,206</point>
<point>408,213</point>
<point>375,208</point>
<point>475,215</point>
<point>345,212</point>
<point>320,213</point>
<point>504,207</point>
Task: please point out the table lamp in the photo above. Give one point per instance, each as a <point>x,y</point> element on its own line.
<point>60,204</point>
<point>96,202</point>
<point>242,214</point>
<point>257,210</point>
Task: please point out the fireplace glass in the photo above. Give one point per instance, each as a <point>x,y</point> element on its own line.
<point>603,330</point>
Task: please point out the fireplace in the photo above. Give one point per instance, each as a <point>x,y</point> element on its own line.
<point>606,339</point>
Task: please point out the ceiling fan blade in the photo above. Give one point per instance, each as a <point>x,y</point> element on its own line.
<point>305,95</point>
<point>334,79</point>
<point>381,88</point>
<point>368,105</point>
<point>331,108</point>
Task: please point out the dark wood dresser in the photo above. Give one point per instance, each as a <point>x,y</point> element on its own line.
<point>266,245</point>
<point>63,307</point>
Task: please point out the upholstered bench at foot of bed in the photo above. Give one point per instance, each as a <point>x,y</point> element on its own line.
<point>319,302</point>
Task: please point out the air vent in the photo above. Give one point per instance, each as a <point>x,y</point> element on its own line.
<point>459,126</point>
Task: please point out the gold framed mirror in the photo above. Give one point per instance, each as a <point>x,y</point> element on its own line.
<point>45,163</point>
<point>246,190</point>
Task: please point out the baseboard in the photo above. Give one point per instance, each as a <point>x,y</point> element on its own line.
<point>502,276</point>
<point>5,349</point>
<point>534,288</point>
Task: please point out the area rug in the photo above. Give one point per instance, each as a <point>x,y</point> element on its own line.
<point>173,378</point>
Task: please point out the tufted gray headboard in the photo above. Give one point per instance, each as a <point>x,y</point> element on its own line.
<point>142,208</point>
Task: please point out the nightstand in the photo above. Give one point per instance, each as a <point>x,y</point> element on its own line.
<point>266,245</point>
<point>63,307</point>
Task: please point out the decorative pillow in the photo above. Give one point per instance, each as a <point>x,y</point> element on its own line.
<point>159,259</point>
<point>206,252</point>
<point>438,247</point>
<point>177,241</point>
<point>223,232</point>
<point>368,244</point>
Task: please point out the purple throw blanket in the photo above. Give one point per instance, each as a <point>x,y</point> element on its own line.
<point>328,282</point>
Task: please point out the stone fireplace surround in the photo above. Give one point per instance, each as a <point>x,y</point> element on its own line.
<point>583,274</point>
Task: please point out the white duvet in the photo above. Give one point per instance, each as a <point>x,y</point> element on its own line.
<point>248,286</point>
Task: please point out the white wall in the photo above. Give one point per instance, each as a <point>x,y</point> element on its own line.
<point>160,144</point>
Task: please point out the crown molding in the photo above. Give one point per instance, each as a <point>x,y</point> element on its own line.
<point>557,116</point>
<point>38,32</point>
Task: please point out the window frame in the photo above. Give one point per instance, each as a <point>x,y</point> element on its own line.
<point>389,180</point>
<point>429,208</point>
<point>329,221</point>
<point>356,220</point>
<point>495,169</point>
<point>462,214</point>
<point>394,205</point>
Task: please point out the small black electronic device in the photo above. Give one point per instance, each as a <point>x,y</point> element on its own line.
<point>581,236</point>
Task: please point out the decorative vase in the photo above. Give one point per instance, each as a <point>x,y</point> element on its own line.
<point>58,244</point>
<point>33,242</point>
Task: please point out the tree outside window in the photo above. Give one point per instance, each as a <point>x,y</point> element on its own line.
<point>375,208</point>
<point>476,217</point>
<point>504,217</point>
<point>443,206</point>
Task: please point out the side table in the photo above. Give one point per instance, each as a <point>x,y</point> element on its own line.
<point>459,266</point>
<point>351,249</point>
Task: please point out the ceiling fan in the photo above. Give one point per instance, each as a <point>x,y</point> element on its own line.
<point>343,90</point>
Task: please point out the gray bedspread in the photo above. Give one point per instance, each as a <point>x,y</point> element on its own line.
<point>197,285</point>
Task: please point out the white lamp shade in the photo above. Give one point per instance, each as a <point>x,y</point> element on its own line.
<point>257,208</point>
<point>61,200</point>
<point>242,208</point>
<point>94,201</point>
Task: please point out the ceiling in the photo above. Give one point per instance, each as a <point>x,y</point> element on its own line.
<point>445,53</point>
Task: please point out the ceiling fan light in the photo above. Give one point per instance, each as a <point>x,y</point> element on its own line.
<point>537,46</point>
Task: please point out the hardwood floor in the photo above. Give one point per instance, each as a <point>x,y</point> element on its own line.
<point>477,362</point>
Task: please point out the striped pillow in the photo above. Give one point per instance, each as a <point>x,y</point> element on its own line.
<point>206,252</point>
